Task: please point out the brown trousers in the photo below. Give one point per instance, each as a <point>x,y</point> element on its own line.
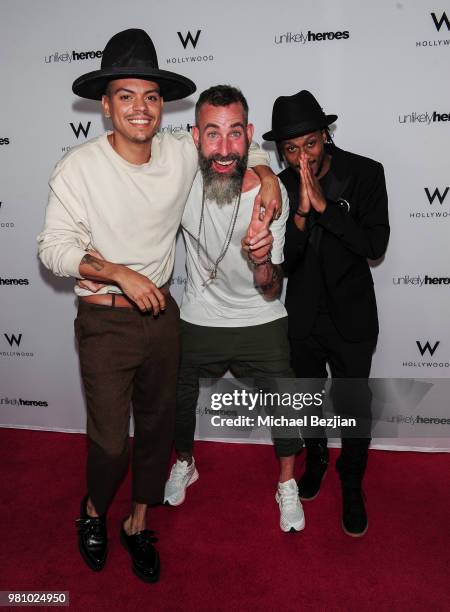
<point>128,357</point>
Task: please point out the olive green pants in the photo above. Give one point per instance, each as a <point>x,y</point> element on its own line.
<point>257,351</point>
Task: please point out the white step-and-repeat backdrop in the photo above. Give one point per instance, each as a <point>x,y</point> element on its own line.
<point>382,67</point>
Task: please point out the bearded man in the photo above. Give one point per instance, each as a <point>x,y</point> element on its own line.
<point>231,315</point>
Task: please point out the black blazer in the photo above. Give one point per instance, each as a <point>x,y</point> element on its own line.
<point>353,228</point>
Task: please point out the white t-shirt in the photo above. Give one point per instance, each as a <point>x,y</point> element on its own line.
<point>231,299</point>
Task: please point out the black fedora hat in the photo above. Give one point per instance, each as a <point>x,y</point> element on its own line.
<point>131,54</point>
<point>297,115</point>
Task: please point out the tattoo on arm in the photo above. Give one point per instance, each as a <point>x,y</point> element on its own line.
<point>274,279</point>
<point>92,261</point>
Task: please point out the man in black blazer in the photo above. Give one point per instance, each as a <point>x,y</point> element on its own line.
<point>338,220</point>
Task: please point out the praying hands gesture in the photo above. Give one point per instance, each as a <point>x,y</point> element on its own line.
<point>311,195</point>
<point>310,189</point>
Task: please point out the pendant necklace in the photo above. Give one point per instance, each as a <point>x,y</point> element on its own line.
<point>213,269</point>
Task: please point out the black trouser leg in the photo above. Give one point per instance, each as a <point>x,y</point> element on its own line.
<point>308,360</point>
<point>352,461</point>
<point>347,360</point>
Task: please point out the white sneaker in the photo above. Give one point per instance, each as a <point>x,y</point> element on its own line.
<point>181,476</point>
<point>291,509</point>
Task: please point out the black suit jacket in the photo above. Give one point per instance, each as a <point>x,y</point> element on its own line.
<point>337,244</point>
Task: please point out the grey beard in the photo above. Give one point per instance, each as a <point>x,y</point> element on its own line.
<point>220,188</point>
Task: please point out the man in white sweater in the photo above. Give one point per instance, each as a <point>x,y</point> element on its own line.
<point>123,194</point>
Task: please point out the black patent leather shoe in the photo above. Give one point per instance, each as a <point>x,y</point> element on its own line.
<point>144,556</point>
<point>92,538</point>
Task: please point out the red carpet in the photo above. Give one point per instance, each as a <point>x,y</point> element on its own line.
<point>223,549</point>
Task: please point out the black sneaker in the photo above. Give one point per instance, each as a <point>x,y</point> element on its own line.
<point>316,466</point>
<point>92,538</point>
<point>354,515</point>
<point>144,556</point>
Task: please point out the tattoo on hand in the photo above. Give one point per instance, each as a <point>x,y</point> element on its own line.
<point>92,261</point>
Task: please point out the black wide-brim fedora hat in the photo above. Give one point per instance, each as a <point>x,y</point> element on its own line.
<point>297,115</point>
<point>131,55</point>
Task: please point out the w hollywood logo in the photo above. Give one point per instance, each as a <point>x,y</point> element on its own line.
<point>437,198</point>
<point>13,339</point>
<point>426,346</point>
<point>189,41</point>
<point>427,360</point>
<point>442,25</point>
<point>189,38</point>
<point>14,350</point>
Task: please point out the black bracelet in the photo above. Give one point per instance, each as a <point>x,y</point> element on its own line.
<point>302,214</point>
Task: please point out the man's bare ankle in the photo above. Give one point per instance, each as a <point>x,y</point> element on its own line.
<point>132,526</point>
<point>127,526</point>
<point>90,509</point>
